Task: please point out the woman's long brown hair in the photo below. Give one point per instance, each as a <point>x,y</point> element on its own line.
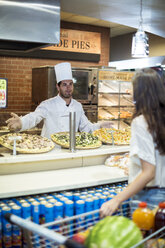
<point>149,97</point>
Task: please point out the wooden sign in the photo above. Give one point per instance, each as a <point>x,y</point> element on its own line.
<point>118,76</point>
<point>78,41</point>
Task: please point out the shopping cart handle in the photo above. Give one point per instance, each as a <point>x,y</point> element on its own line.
<point>7,217</point>
<point>69,243</point>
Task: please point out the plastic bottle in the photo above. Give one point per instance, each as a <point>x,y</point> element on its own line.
<point>160,216</point>
<point>144,218</point>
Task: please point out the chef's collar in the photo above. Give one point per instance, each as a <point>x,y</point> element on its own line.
<point>62,101</point>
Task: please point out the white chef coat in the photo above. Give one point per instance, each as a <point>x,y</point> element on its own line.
<point>55,115</point>
<point>142,147</point>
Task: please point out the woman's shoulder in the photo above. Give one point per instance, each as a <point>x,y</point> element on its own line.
<point>139,121</point>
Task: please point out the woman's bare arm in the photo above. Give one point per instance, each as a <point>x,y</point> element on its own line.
<point>147,174</point>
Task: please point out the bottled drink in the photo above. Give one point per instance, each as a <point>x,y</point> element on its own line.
<point>160,216</point>
<point>144,218</point>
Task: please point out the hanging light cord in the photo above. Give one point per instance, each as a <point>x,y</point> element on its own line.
<point>141,18</point>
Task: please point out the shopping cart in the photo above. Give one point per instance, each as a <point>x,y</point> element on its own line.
<point>60,233</point>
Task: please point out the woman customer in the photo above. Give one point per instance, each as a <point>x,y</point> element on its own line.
<point>147,147</point>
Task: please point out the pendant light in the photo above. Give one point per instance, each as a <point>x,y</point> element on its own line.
<point>140,46</point>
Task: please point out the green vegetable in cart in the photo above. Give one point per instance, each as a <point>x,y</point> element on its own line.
<point>114,232</point>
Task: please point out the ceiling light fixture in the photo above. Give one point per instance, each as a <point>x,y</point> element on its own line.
<point>140,46</point>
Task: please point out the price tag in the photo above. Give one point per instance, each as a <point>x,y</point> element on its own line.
<point>3,92</point>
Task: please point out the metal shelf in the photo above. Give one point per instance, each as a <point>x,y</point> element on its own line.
<point>114,93</point>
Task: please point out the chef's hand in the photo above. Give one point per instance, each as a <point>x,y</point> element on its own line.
<point>106,124</point>
<point>109,207</point>
<point>126,171</point>
<point>14,123</point>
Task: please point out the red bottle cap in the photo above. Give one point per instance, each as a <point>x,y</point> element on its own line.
<point>162,205</point>
<point>142,204</point>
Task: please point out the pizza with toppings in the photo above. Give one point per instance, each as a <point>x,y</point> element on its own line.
<point>110,135</point>
<point>27,143</point>
<point>34,130</point>
<point>83,140</point>
<point>4,129</point>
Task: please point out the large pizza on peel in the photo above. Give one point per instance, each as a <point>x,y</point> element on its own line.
<point>27,143</point>
<point>120,137</point>
<point>83,140</point>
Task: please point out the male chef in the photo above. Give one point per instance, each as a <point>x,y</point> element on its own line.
<point>55,111</point>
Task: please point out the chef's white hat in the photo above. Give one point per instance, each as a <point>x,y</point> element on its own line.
<point>63,71</point>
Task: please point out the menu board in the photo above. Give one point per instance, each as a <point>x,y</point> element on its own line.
<point>113,75</point>
<point>3,92</point>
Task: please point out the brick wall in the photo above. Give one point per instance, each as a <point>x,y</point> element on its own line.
<point>18,71</point>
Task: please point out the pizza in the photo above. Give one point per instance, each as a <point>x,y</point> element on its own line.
<point>83,140</point>
<point>4,129</point>
<point>27,143</point>
<point>110,135</point>
<point>34,130</point>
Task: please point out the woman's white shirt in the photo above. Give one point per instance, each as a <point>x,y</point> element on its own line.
<point>142,147</point>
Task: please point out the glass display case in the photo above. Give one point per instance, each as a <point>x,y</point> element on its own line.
<point>115,98</point>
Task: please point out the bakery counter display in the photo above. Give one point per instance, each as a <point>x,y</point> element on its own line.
<point>115,107</point>
<point>119,120</point>
<point>54,159</point>
<point>104,114</point>
<point>115,97</point>
<point>108,86</point>
<point>59,180</point>
<point>108,99</point>
<point>125,114</point>
<point>126,99</point>
<point>120,125</point>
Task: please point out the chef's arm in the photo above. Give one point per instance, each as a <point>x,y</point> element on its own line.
<point>27,121</point>
<point>86,126</point>
<point>32,119</point>
<point>106,124</point>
